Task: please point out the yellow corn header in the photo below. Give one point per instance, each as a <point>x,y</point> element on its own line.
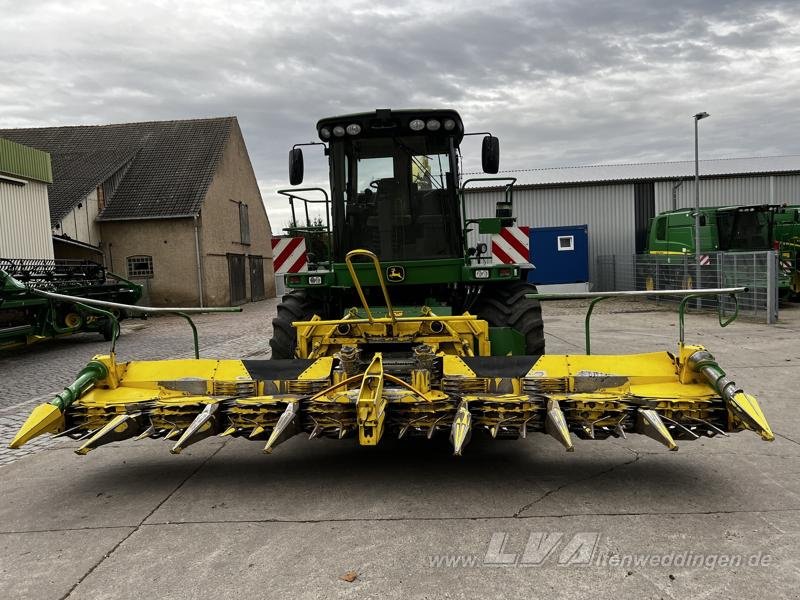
<point>364,378</point>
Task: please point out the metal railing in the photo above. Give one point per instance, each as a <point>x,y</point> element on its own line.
<point>684,296</point>
<point>757,271</point>
<point>93,305</point>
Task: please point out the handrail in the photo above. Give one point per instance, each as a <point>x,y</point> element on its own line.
<point>509,196</point>
<point>348,259</point>
<point>687,295</point>
<point>91,304</point>
<point>291,194</point>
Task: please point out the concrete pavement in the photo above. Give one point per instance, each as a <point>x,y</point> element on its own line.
<point>616,519</point>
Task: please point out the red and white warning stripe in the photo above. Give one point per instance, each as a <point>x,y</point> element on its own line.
<point>511,246</point>
<point>289,254</point>
<point>786,265</point>
<point>705,259</point>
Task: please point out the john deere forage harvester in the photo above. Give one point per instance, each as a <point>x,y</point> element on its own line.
<point>456,347</point>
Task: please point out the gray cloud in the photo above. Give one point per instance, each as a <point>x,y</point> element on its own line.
<point>561,82</point>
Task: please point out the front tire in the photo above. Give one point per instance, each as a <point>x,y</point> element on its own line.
<point>506,306</point>
<point>294,306</point>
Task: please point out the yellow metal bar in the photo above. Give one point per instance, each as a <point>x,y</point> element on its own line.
<point>371,405</point>
<point>379,320</point>
<point>348,259</point>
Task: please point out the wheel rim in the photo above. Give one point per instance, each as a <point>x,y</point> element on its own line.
<point>72,320</point>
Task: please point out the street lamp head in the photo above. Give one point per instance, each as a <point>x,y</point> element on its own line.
<point>701,115</point>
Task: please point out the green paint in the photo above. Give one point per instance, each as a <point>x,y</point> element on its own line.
<point>89,375</point>
<point>21,161</point>
<point>505,341</point>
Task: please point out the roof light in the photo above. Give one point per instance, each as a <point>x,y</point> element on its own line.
<point>449,124</point>
<point>417,125</point>
<point>433,125</point>
<point>325,133</point>
<point>338,131</point>
<point>354,129</point>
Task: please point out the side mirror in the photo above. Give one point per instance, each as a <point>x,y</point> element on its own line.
<point>490,154</point>
<point>296,166</point>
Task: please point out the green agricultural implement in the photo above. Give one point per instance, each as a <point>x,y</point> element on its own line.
<point>27,316</point>
<point>730,229</point>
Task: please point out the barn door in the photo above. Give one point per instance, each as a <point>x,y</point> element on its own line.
<point>236,279</point>
<point>257,278</point>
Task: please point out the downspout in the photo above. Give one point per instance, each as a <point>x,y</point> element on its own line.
<point>199,262</point>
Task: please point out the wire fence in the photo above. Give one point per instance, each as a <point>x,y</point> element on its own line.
<point>759,272</point>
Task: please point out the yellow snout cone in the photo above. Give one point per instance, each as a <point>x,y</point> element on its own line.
<point>45,418</point>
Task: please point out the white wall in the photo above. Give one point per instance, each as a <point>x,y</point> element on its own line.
<point>79,224</point>
<point>24,221</point>
<point>742,191</point>
<point>606,209</point>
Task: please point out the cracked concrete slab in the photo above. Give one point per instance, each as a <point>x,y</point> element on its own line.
<point>400,560</point>
<point>48,564</point>
<point>56,489</point>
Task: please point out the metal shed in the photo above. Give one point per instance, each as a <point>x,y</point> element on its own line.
<point>617,201</point>
<point>24,212</point>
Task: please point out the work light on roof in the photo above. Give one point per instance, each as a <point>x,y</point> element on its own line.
<point>353,129</point>
<point>449,124</point>
<point>338,131</point>
<point>417,125</point>
<point>325,133</point>
<point>433,125</point>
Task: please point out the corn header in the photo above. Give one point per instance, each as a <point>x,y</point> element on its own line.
<point>431,340</point>
<point>445,383</point>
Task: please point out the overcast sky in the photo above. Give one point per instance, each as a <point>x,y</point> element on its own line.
<point>561,83</point>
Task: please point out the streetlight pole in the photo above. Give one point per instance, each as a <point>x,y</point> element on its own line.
<point>697,117</point>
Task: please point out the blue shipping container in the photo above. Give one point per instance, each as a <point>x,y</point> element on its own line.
<point>560,254</point>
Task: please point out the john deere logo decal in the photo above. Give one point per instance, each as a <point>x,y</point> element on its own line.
<point>395,274</point>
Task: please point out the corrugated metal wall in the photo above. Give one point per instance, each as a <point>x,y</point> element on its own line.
<point>607,210</point>
<point>25,221</point>
<point>775,189</point>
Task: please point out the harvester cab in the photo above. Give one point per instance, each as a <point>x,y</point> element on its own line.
<point>396,192</point>
<point>401,329</point>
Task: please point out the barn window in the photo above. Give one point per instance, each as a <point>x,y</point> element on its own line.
<point>140,266</point>
<point>244,223</point>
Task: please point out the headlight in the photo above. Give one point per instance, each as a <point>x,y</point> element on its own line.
<point>338,131</point>
<point>353,129</point>
<point>315,280</point>
<point>433,125</point>
<point>449,124</point>
<point>417,125</point>
<point>481,273</point>
<point>325,133</point>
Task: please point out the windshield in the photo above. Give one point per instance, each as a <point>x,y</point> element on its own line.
<point>744,230</point>
<point>400,199</point>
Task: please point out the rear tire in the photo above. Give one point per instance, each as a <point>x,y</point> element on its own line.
<point>294,306</point>
<point>506,306</point>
